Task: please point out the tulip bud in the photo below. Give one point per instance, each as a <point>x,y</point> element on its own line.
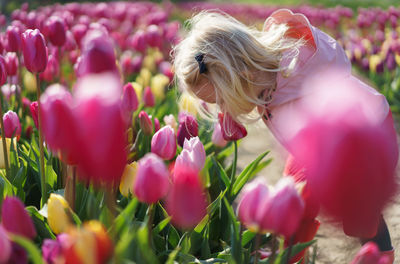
<point>12,63</point>
<point>5,246</point>
<point>186,202</point>
<point>12,126</point>
<point>152,179</point>
<point>145,123</point>
<point>193,154</point>
<point>52,251</point>
<point>217,137</point>
<point>52,70</point>
<point>3,71</point>
<point>231,130</point>
<point>153,36</point>
<point>79,31</point>
<point>187,128</point>
<point>15,219</point>
<point>104,247</point>
<point>158,84</point>
<point>58,218</point>
<point>55,31</point>
<point>14,42</point>
<point>165,68</point>
<point>370,254</point>
<point>169,120</point>
<point>129,99</point>
<point>34,112</point>
<point>128,178</point>
<point>156,124</point>
<point>148,97</point>
<point>187,103</point>
<point>163,143</point>
<point>34,50</point>
<point>139,41</point>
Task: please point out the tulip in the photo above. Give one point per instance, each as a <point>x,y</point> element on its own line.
<point>70,43</point>
<point>145,123</point>
<point>12,63</point>
<point>5,246</point>
<point>370,254</point>
<point>34,112</point>
<point>52,69</point>
<point>52,251</point>
<point>139,41</point>
<point>217,137</point>
<point>15,219</point>
<point>14,42</point>
<point>186,202</point>
<point>3,71</point>
<point>144,77</point>
<point>56,31</point>
<point>18,254</point>
<point>129,99</point>
<point>156,124</point>
<point>193,153</point>
<point>158,84</point>
<point>58,218</point>
<point>163,143</point>
<point>187,103</point>
<point>148,97</point>
<point>169,120</point>
<point>29,81</point>
<point>34,50</point>
<point>231,130</point>
<point>187,128</point>
<point>138,89</point>
<point>97,54</point>
<point>165,68</point>
<point>128,179</point>
<point>153,36</point>
<point>12,126</point>
<point>79,31</point>
<point>152,179</point>
<point>104,247</point>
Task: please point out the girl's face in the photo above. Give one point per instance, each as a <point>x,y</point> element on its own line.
<point>205,91</point>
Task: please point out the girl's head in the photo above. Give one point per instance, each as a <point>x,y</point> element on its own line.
<point>241,62</point>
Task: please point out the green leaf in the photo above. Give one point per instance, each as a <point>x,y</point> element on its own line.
<point>221,172</point>
<point>160,227</point>
<point>247,236</point>
<point>247,174</point>
<point>40,223</point>
<point>172,256</point>
<point>200,226</point>
<point>31,249</point>
<point>124,218</point>
<point>6,188</point>
<point>236,246</point>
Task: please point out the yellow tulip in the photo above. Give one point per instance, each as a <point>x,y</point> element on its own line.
<point>138,89</point>
<point>8,144</point>
<point>374,60</point>
<point>144,77</point>
<point>149,63</point>
<point>29,82</point>
<point>158,84</point>
<point>397,58</point>
<point>57,217</point>
<point>128,177</point>
<point>84,245</point>
<point>188,103</point>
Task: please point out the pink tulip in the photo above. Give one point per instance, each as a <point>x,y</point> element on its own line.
<point>34,112</point>
<point>217,137</point>
<point>53,250</point>
<point>186,202</point>
<point>153,36</point>
<point>163,143</point>
<point>55,31</point>
<point>193,154</point>
<point>156,124</point>
<point>11,63</point>
<point>370,254</point>
<point>130,101</point>
<point>283,211</point>
<point>97,54</point>
<point>188,128</point>
<point>14,41</point>
<point>52,70</point>
<point>70,42</point>
<point>15,219</point>
<point>165,68</point>
<point>148,97</point>
<point>5,246</point>
<point>79,31</point>
<point>34,50</point>
<point>231,130</point>
<point>12,126</point>
<point>145,123</point>
<point>139,41</point>
<point>3,71</point>
<point>152,179</point>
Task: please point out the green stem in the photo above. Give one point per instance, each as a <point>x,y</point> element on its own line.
<point>3,138</point>
<point>289,252</point>
<point>41,148</point>
<point>233,173</point>
<point>150,218</point>
<point>257,246</point>
<point>273,249</point>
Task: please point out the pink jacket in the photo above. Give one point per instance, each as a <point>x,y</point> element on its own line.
<point>320,52</point>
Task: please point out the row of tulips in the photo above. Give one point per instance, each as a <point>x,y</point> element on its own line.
<point>111,169</point>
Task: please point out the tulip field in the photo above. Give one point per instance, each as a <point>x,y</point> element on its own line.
<point>103,159</point>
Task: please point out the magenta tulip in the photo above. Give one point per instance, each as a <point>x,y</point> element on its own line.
<point>52,70</point>
<point>11,63</point>
<point>5,246</point>
<point>79,31</point>
<point>231,130</point>
<point>56,31</point>
<point>70,42</point>
<point>34,50</point>
<point>370,254</point>
<point>165,68</point>
<point>14,41</point>
<point>152,179</point>
<point>12,126</point>
<point>148,97</point>
<point>130,100</point>
<point>139,41</point>
<point>186,202</point>
<point>3,71</point>
<point>153,36</point>
<point>156,124</point>
<point>217,138</point>
<point>187,128</point>
<point>34,112</point>
<point>145,123</point>
<point>15,219</point>
<point>163,143</point>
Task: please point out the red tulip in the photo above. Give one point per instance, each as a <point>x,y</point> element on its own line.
<point>370,254</point>
<point>14,42</point>
<point>12,126</point>
<point>231,130</point>
<point>163,143</point>
<point>15,219</point>
<point>186,202</point>
<point>145,123</point>
<point>3,71</point>
<point>148,97</point>
<point>11,63</point>
<point>188,128</point>
<point>34,112</point>
<point>152,179</point>
<point>55,31</point>
<point>34,50</point>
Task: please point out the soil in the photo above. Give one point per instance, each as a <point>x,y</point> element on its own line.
<point>333,246</point>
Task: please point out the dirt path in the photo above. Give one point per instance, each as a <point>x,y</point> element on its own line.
<point>333,246</point>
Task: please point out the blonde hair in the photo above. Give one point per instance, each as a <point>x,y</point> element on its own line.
<point>233,54</point>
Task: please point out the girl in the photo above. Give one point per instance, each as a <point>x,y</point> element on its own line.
<point>223,62</point>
